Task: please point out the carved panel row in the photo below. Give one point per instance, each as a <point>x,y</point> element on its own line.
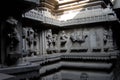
<point>80,40</point>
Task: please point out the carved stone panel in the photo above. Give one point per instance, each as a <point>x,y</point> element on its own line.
<point>49,38</point>
<point>84,76</point>
<point>107,39</point>
<point>78,40</point>
<point>30,40</point>
<point>63,38</point>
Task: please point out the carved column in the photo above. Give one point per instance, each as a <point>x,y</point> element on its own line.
<point>40,43</point>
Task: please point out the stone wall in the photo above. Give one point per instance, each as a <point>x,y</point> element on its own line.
<point>87,39</point>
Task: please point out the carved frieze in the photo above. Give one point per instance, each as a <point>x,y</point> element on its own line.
<point>79,40</point>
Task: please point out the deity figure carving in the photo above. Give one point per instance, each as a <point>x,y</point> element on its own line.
<point>31,41</point>
<point>54,39</point>
<point>49,38</point>
<point>30,37</point>
<point>15,39</point>
<point>63,37</point>
<point>107,39</point>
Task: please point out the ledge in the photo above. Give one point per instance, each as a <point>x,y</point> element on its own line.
<point>87,65</point>
<point>7,77</point>
<point>19,69</point>
<point>36,15</point>
<point>33,1</point>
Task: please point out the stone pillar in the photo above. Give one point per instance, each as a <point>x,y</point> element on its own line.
<point>93,42</point>
<point>42,44</point>
<point>88,41</point>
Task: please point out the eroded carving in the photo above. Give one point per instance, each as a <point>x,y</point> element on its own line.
<point>84,76</point>
<point>54,39</point>
<point>63,38</point>
<point>49,38</point>
<point>106,37</point>
<point>14,39</point>
<point>30,38</point>
<point>55,77</point>
<point>78,37</point>
<point>107,40</point>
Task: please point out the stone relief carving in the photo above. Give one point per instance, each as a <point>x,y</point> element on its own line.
<point>14,39</point>
<point>78,37</point>
<point>73,37</point>
<point>107,39</point>
<point>49,38</point>
<point>55,77</point>
<point>35,39</point>
<point>30,36</point>
<point>107,36</point>
<point>54,39</point>
<point>84,76</point>
<point>63,38</point>
<point>24,34</point>
<point>51,42</point>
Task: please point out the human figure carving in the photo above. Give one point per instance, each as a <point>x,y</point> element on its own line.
<point>54,39</point>
<point>30,39</point>
<point>30,36</point>
<point>49,38</point>
<point>63,36</point>
<point>105,37</point>
<point>15,38</point>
